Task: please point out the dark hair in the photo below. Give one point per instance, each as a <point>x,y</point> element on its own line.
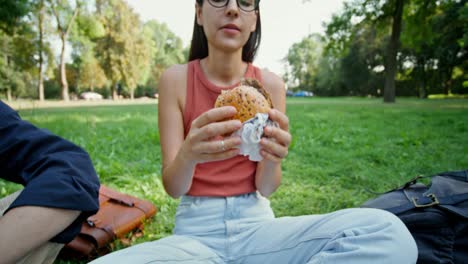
<point>199,44</point>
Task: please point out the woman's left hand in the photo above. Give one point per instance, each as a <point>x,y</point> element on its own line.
<point>276,140</point>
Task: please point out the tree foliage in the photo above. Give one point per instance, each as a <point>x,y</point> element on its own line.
<point>18,62</point>
<point>114,52</point>
<point>86,31</point>
<point>168,50</point>
<point>303,58</point>
<point>11,12</point>
<point>123,52</point>
<point>110,48</point>
<point>427,54</point>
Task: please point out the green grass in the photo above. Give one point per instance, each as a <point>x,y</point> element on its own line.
<point>341,148</point>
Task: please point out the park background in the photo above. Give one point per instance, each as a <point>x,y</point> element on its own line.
<point>389,82</point>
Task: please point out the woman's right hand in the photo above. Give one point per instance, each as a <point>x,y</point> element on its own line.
<point>205,141</point>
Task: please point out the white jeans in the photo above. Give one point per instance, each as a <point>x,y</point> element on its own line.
<point>44,254</point>
<point>243,229</point>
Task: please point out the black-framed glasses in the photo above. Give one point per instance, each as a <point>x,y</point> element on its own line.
<point>244,5</point>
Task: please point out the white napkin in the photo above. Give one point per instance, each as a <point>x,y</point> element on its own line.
<point>250,133</point>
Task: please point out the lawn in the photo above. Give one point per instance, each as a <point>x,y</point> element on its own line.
<point>341,149</point>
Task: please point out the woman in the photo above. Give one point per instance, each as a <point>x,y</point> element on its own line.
<point>223,215</point>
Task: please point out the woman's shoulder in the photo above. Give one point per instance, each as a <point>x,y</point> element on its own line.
<point>173,83</point>
<point>175,75</point>
<point>175,71</point>
<point>271,81</point>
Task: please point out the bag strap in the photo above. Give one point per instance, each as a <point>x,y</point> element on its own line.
<point>428,201</point>
<point>116,196</point>
<point>458,175</point>
<point>409,183</point>
<point>145,206</point>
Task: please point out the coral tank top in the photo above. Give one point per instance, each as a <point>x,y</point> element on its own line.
<point>229,177</point>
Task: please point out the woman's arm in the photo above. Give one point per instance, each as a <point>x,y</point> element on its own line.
<point>202,144</point>
<point>176,170</point>
<point>276,141</point>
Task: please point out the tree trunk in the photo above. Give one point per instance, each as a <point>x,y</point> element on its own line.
<point>8,92</point>
<point>392,51</point>
<point>448,82</point>
<point>63,31</point>
<point>40,88</point>
<point>63,73</point>
<point>7,61</point>
<point>114,91</point>
<point>422,66</point>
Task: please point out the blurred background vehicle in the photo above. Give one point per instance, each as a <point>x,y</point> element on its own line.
<point>91,96</point>
<point>303,94</point>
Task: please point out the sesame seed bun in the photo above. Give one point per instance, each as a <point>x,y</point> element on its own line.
<point>249,99</point>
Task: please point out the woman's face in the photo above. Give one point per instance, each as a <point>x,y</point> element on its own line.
<point>226,28</point>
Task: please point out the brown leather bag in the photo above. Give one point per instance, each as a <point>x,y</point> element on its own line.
<point>118,215</point>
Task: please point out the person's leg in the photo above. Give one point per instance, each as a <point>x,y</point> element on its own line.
<point>198,237</point>
<point>345,236</point>
<point>6,201</point>
<point>173,249</point>
<point>375,235</point>
<point>44,254</point>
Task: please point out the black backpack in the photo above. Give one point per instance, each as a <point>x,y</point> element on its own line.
<point>436,215</point>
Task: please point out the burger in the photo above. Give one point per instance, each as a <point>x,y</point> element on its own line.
<point>249,98</point>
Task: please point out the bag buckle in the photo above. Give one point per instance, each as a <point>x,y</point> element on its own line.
<point>434,199</point>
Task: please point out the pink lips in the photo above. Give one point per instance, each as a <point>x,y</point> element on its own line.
<point>231,29</point>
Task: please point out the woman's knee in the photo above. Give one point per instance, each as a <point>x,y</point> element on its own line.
<point>171,249</point>
<point>400,244</point>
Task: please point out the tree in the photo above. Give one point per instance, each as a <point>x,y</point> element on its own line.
<point>451,53</point>
<point>18,64</point>
<point>425,50</point>
<point>84,34</point>
<point>65,15</point>
<point>91,74</point>
<point>303,60</point>
<point>11,11</point>
<point>369,12</point>
<point>168,50</point>
<point>8,75</point>
<point>138,56</point>
<point>123,52</point>
<point>11,14</point>
<point>359,67</point>
<point>391,54</point>
<point>432,40</point>
<point>41,16</point>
